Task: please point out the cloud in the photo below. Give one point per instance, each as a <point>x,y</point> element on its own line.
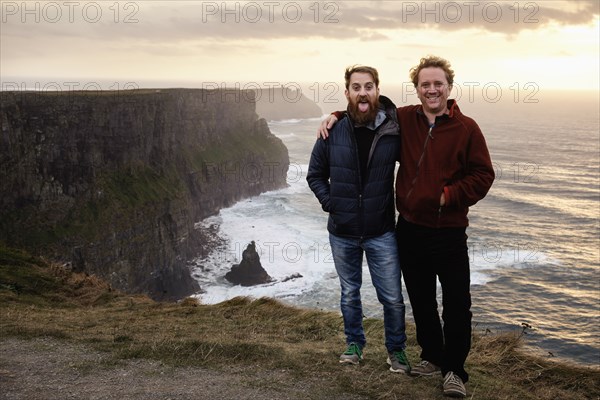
<point>276,39</point>
<point>270,20</point>
<point>357,20</point>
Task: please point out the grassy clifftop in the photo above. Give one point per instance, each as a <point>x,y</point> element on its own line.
<point>261,337</point>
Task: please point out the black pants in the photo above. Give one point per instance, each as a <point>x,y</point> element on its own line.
<point>427,253</point>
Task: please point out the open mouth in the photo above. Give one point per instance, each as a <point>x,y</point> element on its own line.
<point>433,99</point>
<point>363,105</point>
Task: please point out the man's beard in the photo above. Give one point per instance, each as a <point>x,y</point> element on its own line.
<point>363,118</point>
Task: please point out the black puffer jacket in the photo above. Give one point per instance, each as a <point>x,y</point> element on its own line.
<point>357,209</point>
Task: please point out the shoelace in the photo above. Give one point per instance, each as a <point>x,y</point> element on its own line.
<point>401,357</point>
<point>453,379</point>
<point>353,349</point>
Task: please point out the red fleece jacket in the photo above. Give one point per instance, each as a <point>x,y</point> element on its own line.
<point>451,158</point>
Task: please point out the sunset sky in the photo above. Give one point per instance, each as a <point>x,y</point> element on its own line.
<point>554,44</point>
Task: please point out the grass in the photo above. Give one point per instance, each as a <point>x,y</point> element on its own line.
<point>39,299</point>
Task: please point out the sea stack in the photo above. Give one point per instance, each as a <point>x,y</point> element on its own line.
<point>249,272</point>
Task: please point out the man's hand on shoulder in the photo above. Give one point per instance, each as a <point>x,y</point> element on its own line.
<point>326,124</point>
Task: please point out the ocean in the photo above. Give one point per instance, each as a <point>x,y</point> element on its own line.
<point>533,241</point>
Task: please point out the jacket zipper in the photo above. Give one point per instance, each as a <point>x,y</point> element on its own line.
<point>429,135</point>
<point>360,188</point>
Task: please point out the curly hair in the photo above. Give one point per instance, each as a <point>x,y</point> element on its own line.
<point>432,61</point>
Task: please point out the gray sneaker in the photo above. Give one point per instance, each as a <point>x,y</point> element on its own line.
<point>425,368</point>
<point>352,355</point>
<point>454,386</point>
<point>398,362</point>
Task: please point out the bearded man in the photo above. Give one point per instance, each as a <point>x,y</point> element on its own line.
<point>352,176</point>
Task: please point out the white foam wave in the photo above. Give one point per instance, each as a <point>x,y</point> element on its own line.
<point>488,258</point>
<point>293,121</point>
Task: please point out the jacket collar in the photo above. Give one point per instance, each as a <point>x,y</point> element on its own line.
<point>373,125</point>
<point>452,107</point>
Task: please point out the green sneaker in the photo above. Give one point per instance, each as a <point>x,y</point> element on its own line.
<point>398,362</point>
<point>352,355</point>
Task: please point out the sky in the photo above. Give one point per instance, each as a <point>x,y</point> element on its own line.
<point>536,45</point>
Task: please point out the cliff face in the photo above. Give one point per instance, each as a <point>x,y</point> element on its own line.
<point>113,182</point>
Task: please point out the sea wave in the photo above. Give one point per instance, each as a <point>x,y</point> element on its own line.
<point>293,121</point>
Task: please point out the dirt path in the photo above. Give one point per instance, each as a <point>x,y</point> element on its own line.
<point>49,369</point>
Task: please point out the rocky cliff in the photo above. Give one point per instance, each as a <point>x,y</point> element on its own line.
<point>113,182</point>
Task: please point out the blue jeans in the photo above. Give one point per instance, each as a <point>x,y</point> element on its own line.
<point>384,266</point>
